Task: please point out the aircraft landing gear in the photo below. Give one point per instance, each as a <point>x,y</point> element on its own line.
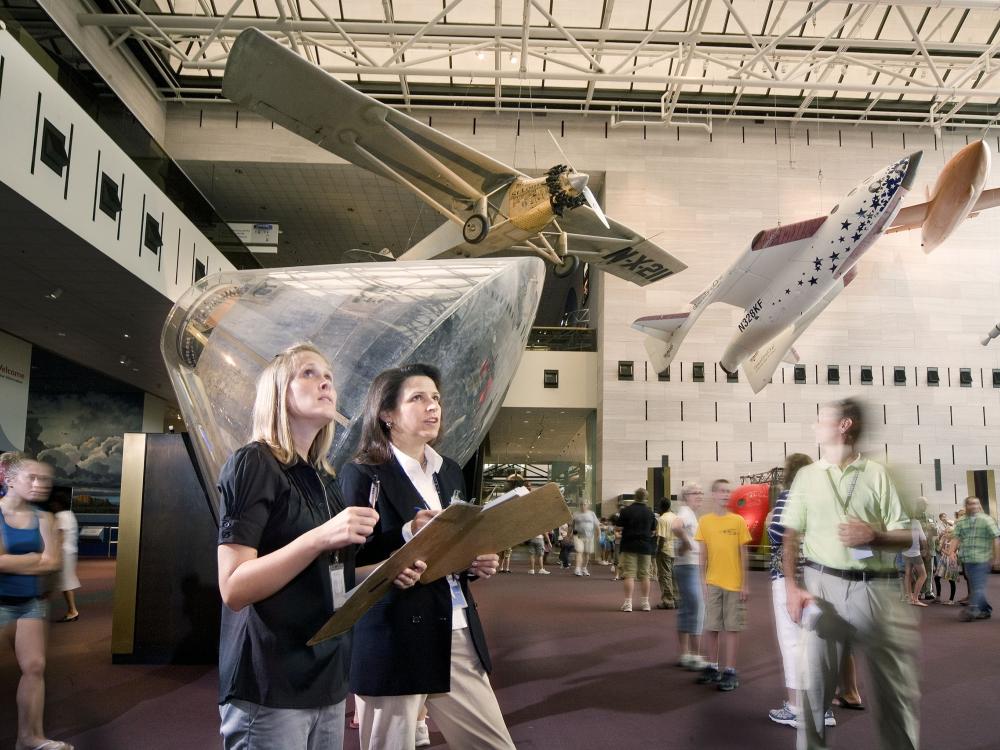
<point>567,267</point>
<point>476,228</point>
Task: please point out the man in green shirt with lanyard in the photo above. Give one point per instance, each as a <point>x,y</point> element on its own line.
<point>845,512</point>
<point>978,545</point>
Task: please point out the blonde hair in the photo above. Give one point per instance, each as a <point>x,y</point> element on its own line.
<point>271,424</point>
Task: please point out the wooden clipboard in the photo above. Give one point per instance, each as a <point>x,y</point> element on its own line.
<point>450,542</point>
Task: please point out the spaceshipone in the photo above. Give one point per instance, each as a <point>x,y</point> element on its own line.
<point>786,277</point>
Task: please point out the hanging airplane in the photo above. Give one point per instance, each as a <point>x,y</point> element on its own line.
<point>490,206</point>
<point>790,274</point>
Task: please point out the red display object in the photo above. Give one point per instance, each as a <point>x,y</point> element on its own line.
<point>752,501</point>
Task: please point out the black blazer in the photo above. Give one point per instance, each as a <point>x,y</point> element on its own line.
<point>402,645</point>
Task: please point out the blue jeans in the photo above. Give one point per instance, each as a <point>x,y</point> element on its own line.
<point>32,609</point>
<point>691,611</point>
<point>251,726</point>
<point>977,573</point>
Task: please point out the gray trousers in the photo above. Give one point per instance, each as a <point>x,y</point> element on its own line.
<point>251,726</point>
<point>868,617</point>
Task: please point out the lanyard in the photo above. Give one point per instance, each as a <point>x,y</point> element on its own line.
<point>335,554</point>
<point>845,505</point>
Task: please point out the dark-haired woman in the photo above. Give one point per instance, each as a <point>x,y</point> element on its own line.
<point>29,550</point>
<point>285,557</point>
<point>425,643</point>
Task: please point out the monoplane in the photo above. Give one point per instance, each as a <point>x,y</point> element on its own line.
<point>490,206</point>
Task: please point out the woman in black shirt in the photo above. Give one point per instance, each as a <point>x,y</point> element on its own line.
<point>284,563</point>
<point>425,644</point>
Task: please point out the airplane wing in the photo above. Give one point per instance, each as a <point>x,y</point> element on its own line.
<point>912,217</point>
<point>275,82</point>
<point>616,248</point>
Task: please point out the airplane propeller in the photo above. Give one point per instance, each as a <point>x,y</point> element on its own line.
<point>578,180</point>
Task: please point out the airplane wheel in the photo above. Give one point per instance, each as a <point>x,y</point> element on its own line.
<point>567,267</point>
<point>476,228</point>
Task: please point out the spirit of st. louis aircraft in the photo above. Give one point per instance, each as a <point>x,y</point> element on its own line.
<point>791,273</point>
<point>490,206</point>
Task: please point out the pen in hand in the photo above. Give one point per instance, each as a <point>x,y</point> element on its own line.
<point>373,493</point>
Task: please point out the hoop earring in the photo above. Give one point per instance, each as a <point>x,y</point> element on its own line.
<point>388,425</point>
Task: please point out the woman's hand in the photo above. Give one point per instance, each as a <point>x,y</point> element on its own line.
<point>411,575</point>
<point>351,526</point>
<point>422,518</point>
<point>484,566</point>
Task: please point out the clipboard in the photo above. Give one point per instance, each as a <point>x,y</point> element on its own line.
<point>451,541</point>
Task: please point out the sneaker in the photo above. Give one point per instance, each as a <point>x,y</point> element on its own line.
<point>586,572</point>
<point>422,737</point>
<point>685,661</point>
<point>709,675</point>
<point>543,572</point>
<point>729,681</point>
<point>531,572</point>
<point>968,614</point>
<point>644,605</point>
<point>627,605</point>
<point>578,572</point>
<point>784,715</point>
<point>829,719</point>
<point>696,663</point>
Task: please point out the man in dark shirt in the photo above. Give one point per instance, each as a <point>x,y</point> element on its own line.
<point>637,524</point>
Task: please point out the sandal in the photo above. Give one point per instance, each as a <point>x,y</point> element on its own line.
<point>842,703</point>
<point>52,745</point>
<point>67,618</point>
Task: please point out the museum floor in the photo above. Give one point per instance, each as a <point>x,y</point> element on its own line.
<point>572,671</point>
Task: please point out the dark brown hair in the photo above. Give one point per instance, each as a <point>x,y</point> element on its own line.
<point>383,395</point>
<point>850,409</point>
<point>793,463</point>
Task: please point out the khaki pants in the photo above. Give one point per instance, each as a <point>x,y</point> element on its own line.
<point>868,617</point>
<point>665,577</point>
<point>468,715</point>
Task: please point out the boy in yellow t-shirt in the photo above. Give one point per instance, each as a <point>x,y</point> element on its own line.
<point>724,537</point>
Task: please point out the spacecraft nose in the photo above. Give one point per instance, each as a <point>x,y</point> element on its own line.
<point>578,181</point>
<point>911,169</point>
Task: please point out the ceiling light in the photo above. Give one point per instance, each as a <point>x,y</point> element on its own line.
<point>125,336</point>
<point>55,293</point>
<point>61,333</point>
<point>481,55</point>
<point>514,58</point>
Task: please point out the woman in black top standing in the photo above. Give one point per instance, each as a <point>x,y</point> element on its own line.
<point>284,562</point>
<point>426,643</point>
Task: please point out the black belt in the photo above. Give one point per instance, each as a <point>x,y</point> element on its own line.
<point>853,575</point>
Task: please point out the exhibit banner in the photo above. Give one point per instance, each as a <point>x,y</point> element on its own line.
<point>15,368</point>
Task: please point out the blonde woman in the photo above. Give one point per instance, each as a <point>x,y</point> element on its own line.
<point>285,558</point>
<point>29,550</point>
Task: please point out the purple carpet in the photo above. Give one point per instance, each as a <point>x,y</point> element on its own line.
<point>571,672</point>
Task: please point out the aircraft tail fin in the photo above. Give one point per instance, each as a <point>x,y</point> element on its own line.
<point>664,334</point>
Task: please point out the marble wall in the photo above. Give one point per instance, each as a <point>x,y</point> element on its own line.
<point>706,195</point>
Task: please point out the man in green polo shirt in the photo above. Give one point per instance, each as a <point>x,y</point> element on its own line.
<point>846,514</point>
<point>978,543</point>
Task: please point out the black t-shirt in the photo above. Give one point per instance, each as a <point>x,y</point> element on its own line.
<point>637,522</point>
<point>263,656</point>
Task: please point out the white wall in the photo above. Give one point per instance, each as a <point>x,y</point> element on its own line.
<point>578,385</point>
<point>28,98</point>
<point>708,196</point>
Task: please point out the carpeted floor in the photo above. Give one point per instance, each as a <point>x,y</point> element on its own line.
<point>572,672</point>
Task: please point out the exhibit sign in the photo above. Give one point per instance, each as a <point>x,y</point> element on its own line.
<point>15,369</point>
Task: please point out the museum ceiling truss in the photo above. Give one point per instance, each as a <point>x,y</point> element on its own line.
<point>683,63</point>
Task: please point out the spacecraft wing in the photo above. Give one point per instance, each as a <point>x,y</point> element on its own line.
<point>771,253</point>
<point>275,82</point>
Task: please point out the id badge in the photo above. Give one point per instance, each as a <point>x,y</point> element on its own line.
<point>457,597</point>
<point>338,585</point>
